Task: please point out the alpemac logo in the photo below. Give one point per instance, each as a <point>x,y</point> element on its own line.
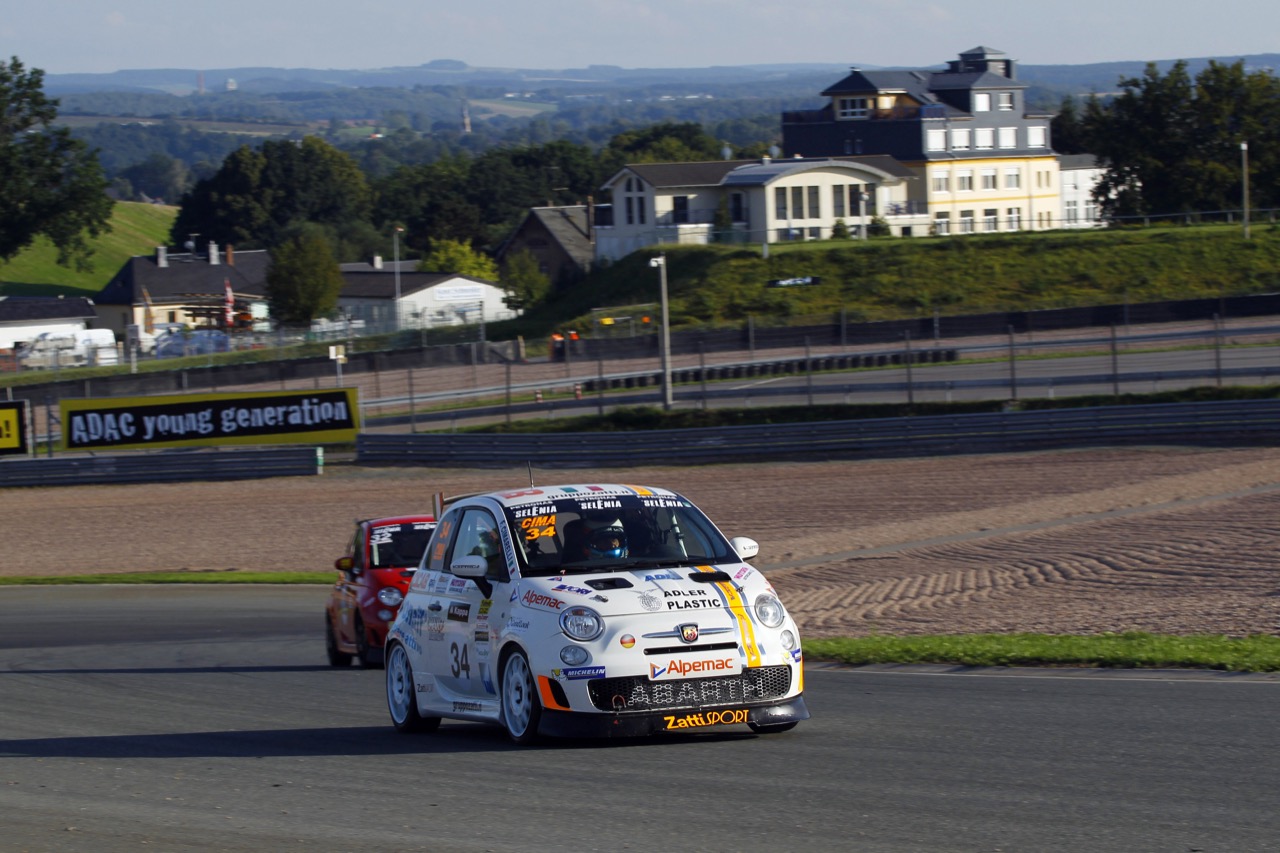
<point>537,599</point>
<point>684,668</point>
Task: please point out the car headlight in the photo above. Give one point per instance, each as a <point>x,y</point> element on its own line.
<point>581,623</point>
<point>769,610</point>
<point>390,596</point>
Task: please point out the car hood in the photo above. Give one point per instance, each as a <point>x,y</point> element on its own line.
<point>681,590</point>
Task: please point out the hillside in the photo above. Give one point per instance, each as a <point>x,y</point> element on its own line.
<point>136,229</point>
<point>894,278</point>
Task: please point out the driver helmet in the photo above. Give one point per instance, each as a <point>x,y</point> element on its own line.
<point>606,537</point>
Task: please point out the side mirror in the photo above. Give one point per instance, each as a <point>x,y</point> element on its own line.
<point>745,548</point>
<point>469,567</point>
<point>344,564</point>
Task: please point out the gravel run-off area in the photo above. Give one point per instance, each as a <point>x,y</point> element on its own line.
<point>1171,539</point>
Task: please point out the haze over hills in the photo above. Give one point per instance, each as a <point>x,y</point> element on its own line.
<point>1097,77</point>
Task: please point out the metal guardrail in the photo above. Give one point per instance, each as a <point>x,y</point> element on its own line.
<point>171,466</point>
<point>1231,422</point>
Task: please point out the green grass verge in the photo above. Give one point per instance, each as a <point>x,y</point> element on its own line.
<point>226,576</point>
<point>1256,653</point>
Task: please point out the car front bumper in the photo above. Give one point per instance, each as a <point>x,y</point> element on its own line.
<point>587,724</point>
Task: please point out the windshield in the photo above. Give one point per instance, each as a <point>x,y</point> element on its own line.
<point>398,546</point>
<point>617,532</point>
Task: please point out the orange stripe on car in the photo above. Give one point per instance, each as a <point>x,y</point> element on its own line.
<point>548,697</point>
<point>746,630</point>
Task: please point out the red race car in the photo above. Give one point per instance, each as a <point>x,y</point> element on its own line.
<point>381,558</point>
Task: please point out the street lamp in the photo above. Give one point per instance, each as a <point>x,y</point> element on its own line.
<point>395,238</point>
<point>661,263</point>
<point>1244,169</point>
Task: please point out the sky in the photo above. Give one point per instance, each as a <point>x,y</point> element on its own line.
<point>96,36</point>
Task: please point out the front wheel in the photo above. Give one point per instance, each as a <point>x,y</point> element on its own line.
<point>521,710</point>
<point>402,697</point>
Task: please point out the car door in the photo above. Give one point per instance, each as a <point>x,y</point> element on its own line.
<point>460,657</point>
<point>348,589</point>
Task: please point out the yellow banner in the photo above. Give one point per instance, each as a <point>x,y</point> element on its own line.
<point>203,420</point>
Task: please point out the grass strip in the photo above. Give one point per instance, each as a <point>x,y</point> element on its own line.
<point>1130,650</point>
<point>202,577</point>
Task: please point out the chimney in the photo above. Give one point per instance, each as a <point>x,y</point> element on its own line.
<point>162,257</point>
<point>766,160</point>
<point>377,262</point>
<point>213,254</point>
<point>231,258</point>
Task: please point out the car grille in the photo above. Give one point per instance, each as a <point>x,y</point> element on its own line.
<point>638,693</point>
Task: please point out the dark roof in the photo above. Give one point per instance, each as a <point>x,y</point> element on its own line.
<point>1077,161</point>
<point>26,309</point>
<point>716,173</point>
<point>707,173</point>
<point>185,275</point>
<point>382,285</point>
<point>568,227</point>
<point>757,173</point>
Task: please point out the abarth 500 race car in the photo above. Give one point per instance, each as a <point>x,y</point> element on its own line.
<point>381,557</point>
<point>591,610</point>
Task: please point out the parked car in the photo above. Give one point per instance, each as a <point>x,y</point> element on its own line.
<point>175,344</point>
<point>597,610</point>
<point>373,575</point>
<point>80,348</point>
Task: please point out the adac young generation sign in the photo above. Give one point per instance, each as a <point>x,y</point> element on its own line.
<point>191,420</point>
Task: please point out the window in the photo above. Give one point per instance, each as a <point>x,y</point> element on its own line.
<point>797,203</point>
<point>1037,137</point>
<point>989,179</point>
<point>964,181</point>
<point>966,222</point>
<point>941,182</point>
<point>1091,210</point>
<point>935,140</point>
<point>1014,217</point>
<point>1005,101</point>
<point>849,108</point>
<point>680,209</point>
<point>942,223</point>
<point>630,202</point>
<point>984,138</point>
<point>815,208</point>
<point>837,201</point>
<point>737,207</point>
<point>991,219</point>
<point>1012,179</point>
<point>960,140</point>
<point>1072,213</point>
<point>1070,181</point>
<point>981,102</point>
<point>780,203</point>
<point>1008,137</point>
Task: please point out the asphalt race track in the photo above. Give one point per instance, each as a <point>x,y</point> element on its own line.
<point>203,718</point>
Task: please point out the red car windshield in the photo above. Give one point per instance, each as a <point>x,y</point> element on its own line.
<point>398,546</point>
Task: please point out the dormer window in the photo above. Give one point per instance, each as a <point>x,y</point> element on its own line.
<point>852,108</point>
<point>982,102</point>
<point>1005,101</point>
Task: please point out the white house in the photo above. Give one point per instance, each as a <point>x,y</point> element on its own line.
<point>762,201</point>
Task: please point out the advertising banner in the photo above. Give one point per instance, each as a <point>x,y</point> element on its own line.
<point>13,427</point>
<point>203,420</point>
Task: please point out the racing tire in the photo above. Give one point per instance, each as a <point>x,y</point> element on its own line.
<point>365,656</point>
<point>776,728</point>
<point>336,658</point>
<point>521,708</point>
<point>402,697</point>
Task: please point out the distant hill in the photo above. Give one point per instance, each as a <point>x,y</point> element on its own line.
<point>136,230</point>
<point>596,79</point>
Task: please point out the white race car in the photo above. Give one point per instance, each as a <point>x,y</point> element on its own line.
<point>591,610</point>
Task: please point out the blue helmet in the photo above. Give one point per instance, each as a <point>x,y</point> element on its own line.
<point>608,541</point>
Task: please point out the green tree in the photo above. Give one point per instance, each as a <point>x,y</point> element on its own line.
<point>260,196</point>
<point>456,256</point>
<point>525,285</point>
<point>51,184</point>
<point>668,142</point>
<point>1171,144</point>
<point>1068,130</point>
<point>303,280</point>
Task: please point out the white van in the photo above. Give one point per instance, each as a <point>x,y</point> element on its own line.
<point>81,348</point>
